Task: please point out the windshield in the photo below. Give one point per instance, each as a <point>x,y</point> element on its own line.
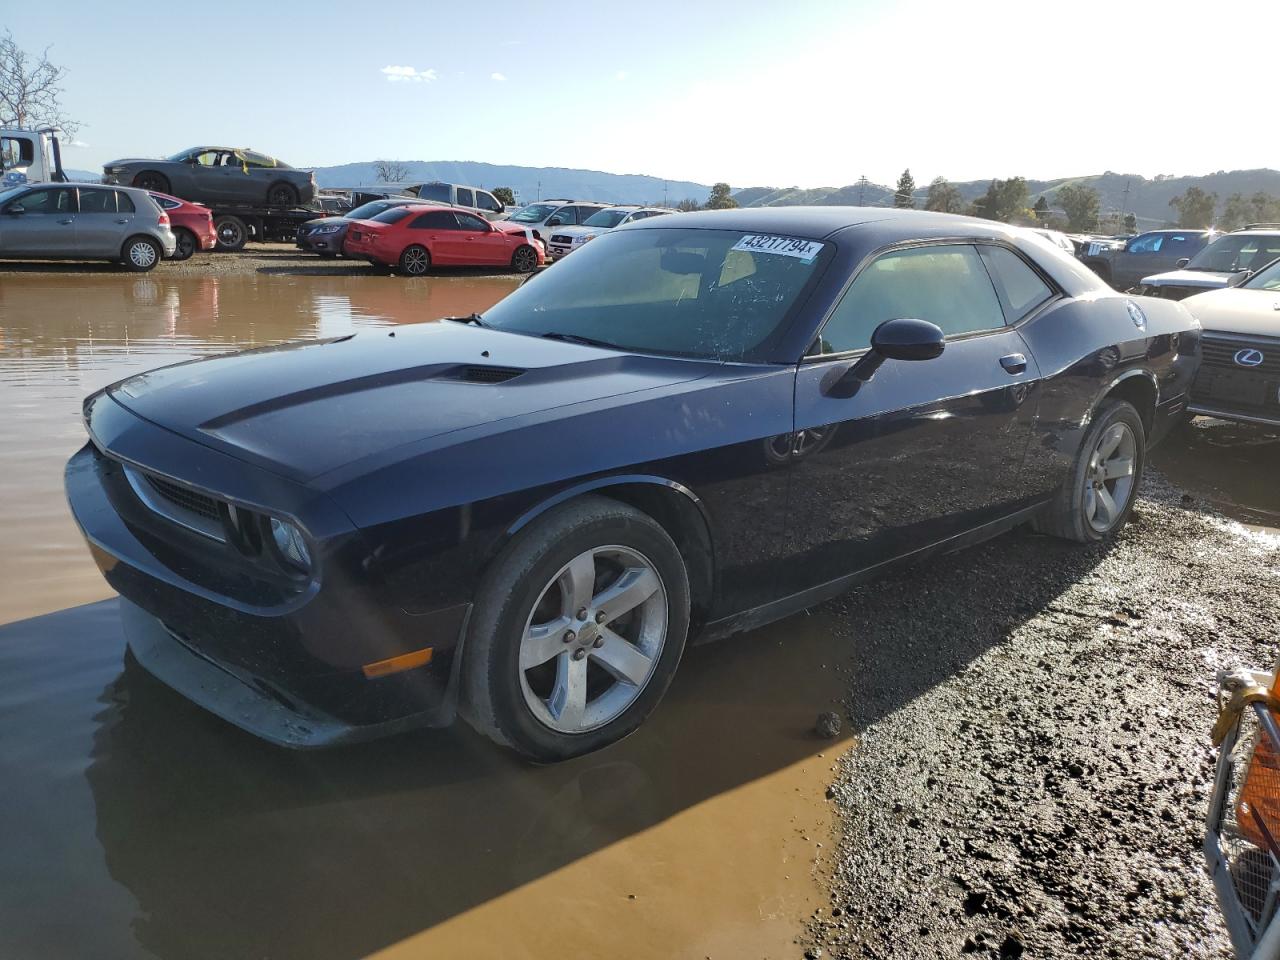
<point>1268,279</point>
<point>1237,252</point>
<point>712,294</point>
<point>368,210</point>
<point>7,195</point>
<point>182,155</point>
<point>606,218</point>
<point>534,213</point>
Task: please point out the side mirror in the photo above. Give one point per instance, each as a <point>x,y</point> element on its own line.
<point>15,210</point>
<point>554,222</point>
<point>1182,262</point>
<point>901,339</point>
<point>1237,279</point>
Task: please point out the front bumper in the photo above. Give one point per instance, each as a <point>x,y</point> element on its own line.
<point>326,243</point>
<point>285,667</point>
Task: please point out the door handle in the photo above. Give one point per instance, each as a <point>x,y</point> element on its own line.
<point>123,221</point>
<point>1014,363</point>
<point>67,221</point>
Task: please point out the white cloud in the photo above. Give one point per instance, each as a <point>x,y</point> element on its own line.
<point>408,75</point>
<point>620,75</point>
<point>500,77</point>
<point>77,143</point>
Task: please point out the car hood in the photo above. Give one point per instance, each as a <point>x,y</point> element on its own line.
<point>301,410</point>
<point>1250,312</point>
<point>506,226</point>
<point>323,221</point>
<point>1189,278</point>
<point>128,160</point>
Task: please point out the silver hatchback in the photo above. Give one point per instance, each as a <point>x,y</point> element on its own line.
<point>69,221</point>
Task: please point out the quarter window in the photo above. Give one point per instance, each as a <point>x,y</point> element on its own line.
<point>944,284</point>
<point>1021,289</point>
<point>125,203</point>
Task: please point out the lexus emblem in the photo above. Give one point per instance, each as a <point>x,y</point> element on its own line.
<point>1248,357</point>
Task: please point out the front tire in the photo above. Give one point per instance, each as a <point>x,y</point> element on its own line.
<point>150,180</point>
<point>140,254</point>
<point>415,261</point>
<point>524,260</point>
<point>1097,498</point>
<point>576,632</point>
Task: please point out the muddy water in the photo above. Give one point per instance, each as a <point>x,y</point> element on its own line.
<point>134,824</point>
<point>1234,467</point>
<point>63,336</point>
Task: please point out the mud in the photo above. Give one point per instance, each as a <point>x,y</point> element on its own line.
<point>1024,745</point>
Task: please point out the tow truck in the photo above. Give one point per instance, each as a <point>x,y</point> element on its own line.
<point>30,156</point>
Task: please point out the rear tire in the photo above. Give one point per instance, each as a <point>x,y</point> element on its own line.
<point>140,254</point>
<point>232,233</point>
<point>186,246</point>
<point>1097,497</point>
<point>518,669</point>
<point>415,261</point>
<point>150,180</point>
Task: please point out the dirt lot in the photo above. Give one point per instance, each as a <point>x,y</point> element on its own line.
<point>1032,761</point>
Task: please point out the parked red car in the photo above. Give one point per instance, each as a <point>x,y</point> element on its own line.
<point>192,224</point>
<point>416,238</point>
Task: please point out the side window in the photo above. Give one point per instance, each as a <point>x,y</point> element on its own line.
<point>435,220</point>
<point>208,159</point>
<point>16,152</point>
<point>566,215</point>
<point>944,284</point>
<point>124,203</point>
<point>471,222</point>
<point>435,191</point>
<point>1148,243</point>
<point>46,201</point>
<point>97,201</point>
<point>487,201</point>
<point>465,197</point>
<point>1020,288</point>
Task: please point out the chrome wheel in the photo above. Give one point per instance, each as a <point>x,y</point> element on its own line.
<point>142,254</point>
<point>1108,480</point>
<point>592,640</point>
<point>415,261</point>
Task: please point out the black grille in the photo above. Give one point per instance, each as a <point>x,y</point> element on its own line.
<point>185,498</point>
<point>562,239</point>
<point>1222,353</point>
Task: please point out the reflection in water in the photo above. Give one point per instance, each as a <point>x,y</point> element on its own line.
<point>62,337</point>
<point>1232,465</point>
<point>140,823</point>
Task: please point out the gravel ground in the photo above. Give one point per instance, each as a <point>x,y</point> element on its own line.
<point>1031,779</point>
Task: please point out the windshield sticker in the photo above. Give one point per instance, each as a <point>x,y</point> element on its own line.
<point>804,250</point>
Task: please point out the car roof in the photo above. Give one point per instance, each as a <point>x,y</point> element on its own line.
<point>816,223</point>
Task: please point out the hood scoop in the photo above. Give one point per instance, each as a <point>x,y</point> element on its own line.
<point>481,374</point>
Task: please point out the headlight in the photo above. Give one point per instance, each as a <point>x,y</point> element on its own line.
<point>115,169</point>
<point>289,541</point>
<point>584,238</point>
<point>329,228</point>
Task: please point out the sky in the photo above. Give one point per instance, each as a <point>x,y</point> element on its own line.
<point>803,93</point>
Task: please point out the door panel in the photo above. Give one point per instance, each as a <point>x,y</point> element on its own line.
<point>100,229</point>
<point>925,450</point>
<point>476,243</point>
<point>46,229</point>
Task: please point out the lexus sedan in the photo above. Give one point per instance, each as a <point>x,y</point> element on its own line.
<point>217,175</point>
<point>693,426</point>
<point>1240,376</point>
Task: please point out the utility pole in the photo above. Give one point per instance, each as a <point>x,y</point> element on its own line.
<point>539,189</point>
<point>862,190</point>
<point>664,193</point>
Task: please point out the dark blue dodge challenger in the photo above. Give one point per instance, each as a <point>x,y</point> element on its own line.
<point>694,425</point>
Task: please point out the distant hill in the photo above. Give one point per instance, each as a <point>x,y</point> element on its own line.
<point>1148,200</point>
<point>529,183</point>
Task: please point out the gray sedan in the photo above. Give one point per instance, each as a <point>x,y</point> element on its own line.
<point>217,175</point>
<point>62,221</point>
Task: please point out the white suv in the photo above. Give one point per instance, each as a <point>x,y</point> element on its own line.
<point>567,239</point>
<point>546,215</point>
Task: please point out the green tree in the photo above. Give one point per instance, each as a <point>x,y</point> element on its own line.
<point>1264,208</point>
<point>1236,212</point>
<point>1195,208</point>
<point>1004,200</point>
<point>687,205</point>
<point>505,195</point>
<point>720,199</point>
<point>902,197</point>
<point>1041,208</point>
<point>1130,223</point>
<point>944,197</point>
<point>1080,204</point>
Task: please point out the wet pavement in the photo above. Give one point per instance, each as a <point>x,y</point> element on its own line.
<point>139,824</point>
